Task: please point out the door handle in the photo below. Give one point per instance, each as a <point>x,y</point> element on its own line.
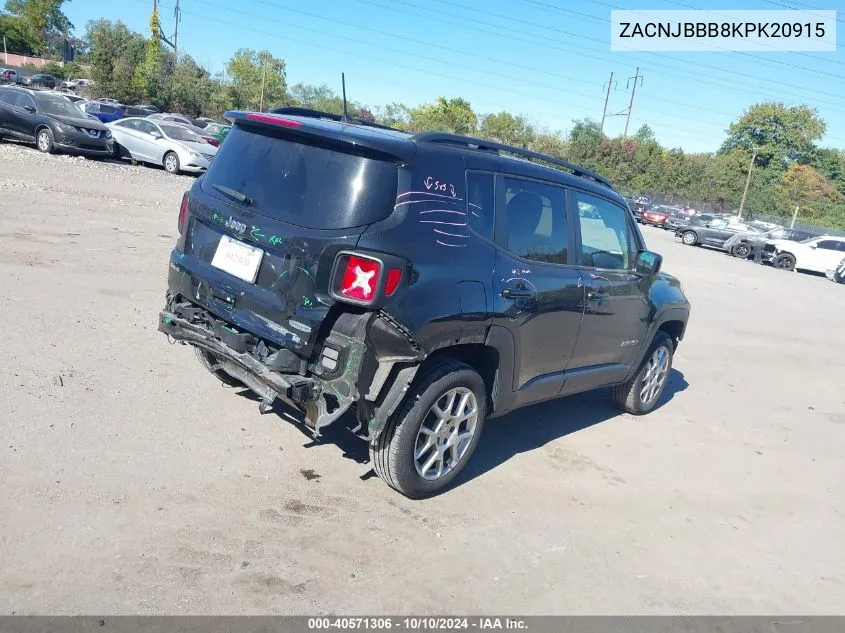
<point>519,293</point>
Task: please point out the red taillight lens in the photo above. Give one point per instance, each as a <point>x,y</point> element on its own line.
<point>394,276</point>
<point>360,278</point>
<point>211,141</point>
<point>183,213</point>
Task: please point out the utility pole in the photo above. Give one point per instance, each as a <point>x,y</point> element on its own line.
<point>636,77</point>
<point>747,182</point>
<point>606,97</point>
<point>5,54</point>
<point>794,216</point>
<point>177,14</point>
<point>263,79</point>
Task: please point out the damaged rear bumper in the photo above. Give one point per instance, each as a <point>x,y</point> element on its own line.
<point>254,374</point>
<point>375,362</point>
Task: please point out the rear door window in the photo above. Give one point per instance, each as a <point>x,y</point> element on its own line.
<point>536,221</point>
<point>480,203</point>
<point>305,185</point>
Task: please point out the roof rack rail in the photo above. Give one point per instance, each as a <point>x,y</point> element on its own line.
<point>493,146</point>
<point>317,114</point>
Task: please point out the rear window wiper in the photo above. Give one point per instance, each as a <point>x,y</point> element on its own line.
<point>234,194</point>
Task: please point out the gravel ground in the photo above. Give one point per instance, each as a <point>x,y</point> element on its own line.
<point>132,482</point>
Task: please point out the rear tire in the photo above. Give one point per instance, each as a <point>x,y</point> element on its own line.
<point>404,449</point>
<point>640,394</point>
<point>689,238</point>
<point>208,360</point>
<point>785,261</point>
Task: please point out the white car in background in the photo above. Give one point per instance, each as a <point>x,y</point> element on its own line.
<point>174,147</point>
<point>820,254</point>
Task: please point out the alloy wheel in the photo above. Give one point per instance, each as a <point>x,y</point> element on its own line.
<point>654,376</point>
<point>446,433</point>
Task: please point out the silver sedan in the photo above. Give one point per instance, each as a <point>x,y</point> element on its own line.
<point>174,147</point>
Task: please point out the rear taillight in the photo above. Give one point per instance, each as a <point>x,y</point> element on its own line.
<point>360,281</point>
<point>211,141</point>
<point>364,278</point>
<point>394,276</point>
<point>183,213</point>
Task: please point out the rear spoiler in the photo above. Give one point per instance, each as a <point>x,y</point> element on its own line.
<point>393,145</point>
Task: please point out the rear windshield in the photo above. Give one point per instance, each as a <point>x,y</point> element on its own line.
<point>304,185</point>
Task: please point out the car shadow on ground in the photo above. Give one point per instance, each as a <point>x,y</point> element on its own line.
<point>503,438</point>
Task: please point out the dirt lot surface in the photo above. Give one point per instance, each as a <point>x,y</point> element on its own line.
<point>131,481</point>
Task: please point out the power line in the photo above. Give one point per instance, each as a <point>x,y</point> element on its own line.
<point>545,86</point>
<point>580,50</point>
<point>779,4</point>
<point>382,60</point>
<point>772,46</point>
<point>461,79</point>
<point>485,57</point>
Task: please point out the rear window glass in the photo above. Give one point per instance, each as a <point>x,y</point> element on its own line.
<point>304,185</point>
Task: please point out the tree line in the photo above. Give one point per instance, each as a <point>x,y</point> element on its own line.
<point>778,142</point>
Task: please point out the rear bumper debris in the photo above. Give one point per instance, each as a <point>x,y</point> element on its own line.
<point>371,361</point>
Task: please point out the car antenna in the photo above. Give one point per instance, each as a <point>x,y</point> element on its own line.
<point>345,118</point>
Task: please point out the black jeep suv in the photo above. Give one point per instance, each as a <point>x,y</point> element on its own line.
<point>430,280</point>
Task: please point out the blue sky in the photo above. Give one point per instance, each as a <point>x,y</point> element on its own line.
<point>545,59</point>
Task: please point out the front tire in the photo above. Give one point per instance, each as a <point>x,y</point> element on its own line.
<point>44,140</point>
<point>689,238</point>
<point>640,394</point>
<point>785,261</point>
<point>430,438</point>
<point>741,250</point>
<point>171,163</point>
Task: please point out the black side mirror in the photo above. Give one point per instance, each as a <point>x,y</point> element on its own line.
<point>29,109</point>
<point>648,263</point>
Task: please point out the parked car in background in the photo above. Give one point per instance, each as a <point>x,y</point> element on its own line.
<point>109,100</point>
<point>51,121</point>
<point>203,121</point>
<point>676,218</point>
<point>73,98</point>
<point>820,254</point>
<point>105,112</point>
<point>713,233</point>
<point>170,117</point>
<point>839,274</point>
<point>745,245</point>
<point>217,130</point>
<point>151,109</point>
<point>174,147</point>
<point>208,138</point>
<point>655,217</point>
<point>41,81</point>
<point>8,76</point>
<point>138,110</point>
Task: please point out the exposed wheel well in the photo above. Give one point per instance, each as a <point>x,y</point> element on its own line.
<point>483,358</point>
<point>674,329</point>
